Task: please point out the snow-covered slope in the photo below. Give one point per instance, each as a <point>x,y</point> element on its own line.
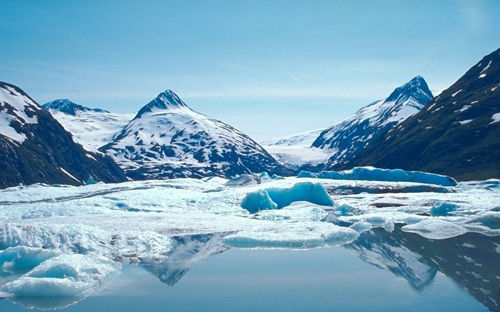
<point>305,138</point>
<point>352,135</point>
<point>295,150</point>
<point>16,110</point>
<point>91,127</point>
<point>34,147</point>
<point>168,139</point>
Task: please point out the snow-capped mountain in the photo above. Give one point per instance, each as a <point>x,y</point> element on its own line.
<point>457,134</point>
<point>351,136</point>
<point>168,139</point>
<point>70,108</point>
<point>34,147</point>
<point>91,127</point>
<point>295,150</point>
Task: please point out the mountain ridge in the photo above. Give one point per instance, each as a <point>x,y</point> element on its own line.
<point>349,137</point>
<point>456,134</point>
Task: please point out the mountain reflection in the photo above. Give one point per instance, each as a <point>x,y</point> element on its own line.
<point>185,252</point>
<point>471,260</point>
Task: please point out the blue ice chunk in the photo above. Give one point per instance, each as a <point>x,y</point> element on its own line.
<point>378,174</point>
<point>264,176</point>
<point>304,191</point>
<point>277,198</point>
<point>256,201</point>
<point>344,210</point>
<point>442,209</point>
<point>20,258</point>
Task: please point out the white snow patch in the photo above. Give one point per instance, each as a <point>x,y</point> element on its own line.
<point>19,106</point>
<point>464,122</point>
<point>69,174</point>
<point>495,117</point>
<point>454,94</point>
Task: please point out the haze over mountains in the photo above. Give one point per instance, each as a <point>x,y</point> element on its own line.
<point>457,134</point>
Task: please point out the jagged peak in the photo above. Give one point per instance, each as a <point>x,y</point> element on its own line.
<point>417,88</point>
<point>68,107</point>
<point>165,100</point>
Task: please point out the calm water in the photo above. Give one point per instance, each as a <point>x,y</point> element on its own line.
<point>379,272</point>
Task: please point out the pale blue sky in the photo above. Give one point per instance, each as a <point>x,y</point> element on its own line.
<point>270,68</point>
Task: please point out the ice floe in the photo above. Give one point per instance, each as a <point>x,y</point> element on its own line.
<point>86,233</point>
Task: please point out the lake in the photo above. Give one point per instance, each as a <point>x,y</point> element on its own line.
<point>380,271</point>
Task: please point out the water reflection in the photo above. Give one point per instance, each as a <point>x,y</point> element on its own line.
<point>471,260</point>
<point>185,252</point>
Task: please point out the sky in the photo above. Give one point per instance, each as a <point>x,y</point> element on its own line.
<point>269,68</point>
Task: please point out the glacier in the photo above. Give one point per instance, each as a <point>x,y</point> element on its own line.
<point>68,242</point>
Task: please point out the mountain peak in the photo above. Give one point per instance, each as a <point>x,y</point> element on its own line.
<point>165,100</point>
<point>68,107</point>
<point>416,88</point>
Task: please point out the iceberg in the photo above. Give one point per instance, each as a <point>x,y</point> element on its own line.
<point>378,174</point>
<point>361,226</point>
<point>433,228</point>
<point>277,198</point>
<point>70,275</point>
<point>22,259</point>
<point>302,235</point>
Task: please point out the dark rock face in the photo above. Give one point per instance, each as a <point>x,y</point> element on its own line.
<point>350,137</point>
<point>167,139</point>
<point>457,134</point>
<point>41,151</point>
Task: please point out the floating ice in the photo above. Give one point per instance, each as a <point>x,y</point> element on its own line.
<point>442,209</point>
<point>259,200</point>
<point>69,275</point>
<point>293,235</point>
<point>434,228</point>
<point>138,221</point>
<point>19,259</point>
<point>377,174</point>
<point>276,198</point>
<point>344,210</point>
<point>67,238</point>
<point>361,226</point>
<point>296,211</point>
<point>389,226</point>
<point>490,219</point>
